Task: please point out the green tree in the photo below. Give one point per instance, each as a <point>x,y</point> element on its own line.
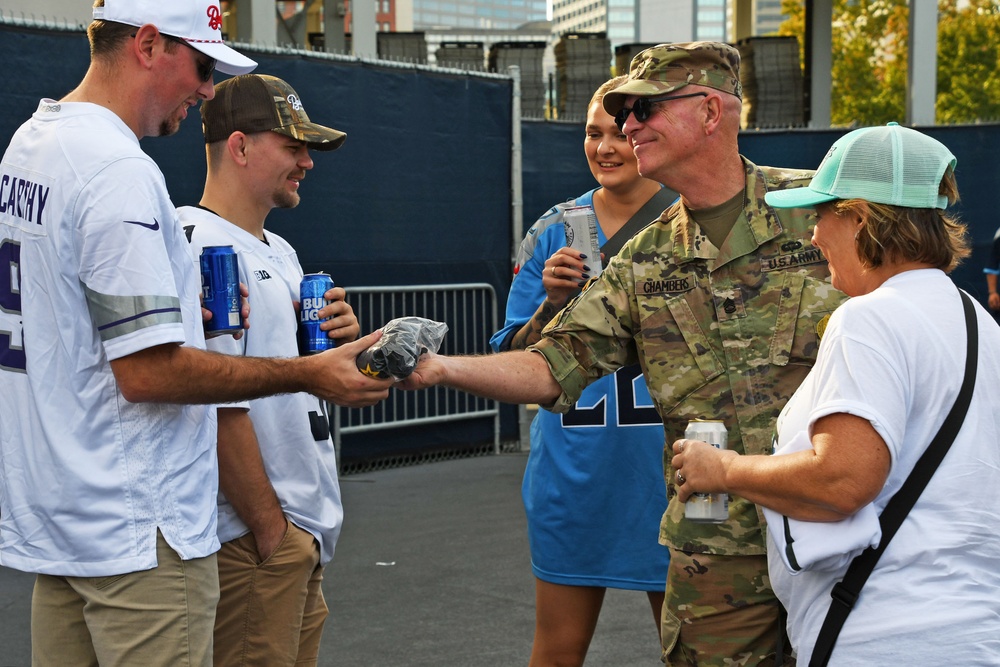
<point>968,88</point>
<point>869,64</point>
<point>869,58</point>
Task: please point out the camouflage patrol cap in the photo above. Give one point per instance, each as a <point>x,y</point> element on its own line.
<point>261,103</point>
<point>667,67</point>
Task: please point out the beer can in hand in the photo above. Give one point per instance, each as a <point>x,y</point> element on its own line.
<point>581,235</point>
<point>220,290</point>
<point>707,507</point>
<point>312,338</point>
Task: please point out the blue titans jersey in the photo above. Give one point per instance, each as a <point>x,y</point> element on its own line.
<point>593,487</point>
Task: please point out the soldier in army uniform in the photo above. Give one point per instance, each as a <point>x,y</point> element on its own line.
<point>719,301</point>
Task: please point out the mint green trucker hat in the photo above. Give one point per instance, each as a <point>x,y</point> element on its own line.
<point>892,165</point>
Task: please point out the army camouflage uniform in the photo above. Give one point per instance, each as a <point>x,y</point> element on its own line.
<point>720,334</point>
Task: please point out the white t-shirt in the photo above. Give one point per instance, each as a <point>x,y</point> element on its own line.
<point>95,267</point>
<point>896,357</point>
<point>298,456</point>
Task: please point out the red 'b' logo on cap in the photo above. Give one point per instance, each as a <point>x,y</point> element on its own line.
<point>214,17</point>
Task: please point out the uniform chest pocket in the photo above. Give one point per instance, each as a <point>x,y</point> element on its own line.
<point>677,350</point>
<point>804,302</point>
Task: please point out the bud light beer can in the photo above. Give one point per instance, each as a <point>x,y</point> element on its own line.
<point>312,339</point>
<point>220,290</point>
<point>707,507</point>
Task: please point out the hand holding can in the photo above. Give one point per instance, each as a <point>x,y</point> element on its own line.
<point>581,235</point>
<point>220,290</point>
<point>340,322</point>
<point>707,507</point>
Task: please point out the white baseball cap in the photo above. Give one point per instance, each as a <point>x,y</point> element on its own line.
<point>197,22</point>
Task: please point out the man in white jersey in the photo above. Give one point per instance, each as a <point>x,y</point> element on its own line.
<point>107,482</point>
<point>279,506</point>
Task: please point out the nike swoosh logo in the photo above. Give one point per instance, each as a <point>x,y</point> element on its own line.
<point>154,226</point>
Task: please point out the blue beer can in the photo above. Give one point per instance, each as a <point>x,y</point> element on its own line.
<point>312,339</point>
<point>220,290</point>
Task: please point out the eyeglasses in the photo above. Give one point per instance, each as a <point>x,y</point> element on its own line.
<point>206,65</point>
<point>644,107</point>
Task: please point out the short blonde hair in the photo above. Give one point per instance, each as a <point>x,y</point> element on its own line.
<point>903,234</point>
<point>606,88</point>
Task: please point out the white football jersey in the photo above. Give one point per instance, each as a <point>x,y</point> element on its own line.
<point>95,267</point>
<point>292,429</point>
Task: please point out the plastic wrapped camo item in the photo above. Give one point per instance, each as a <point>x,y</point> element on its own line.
<point>403,341</point>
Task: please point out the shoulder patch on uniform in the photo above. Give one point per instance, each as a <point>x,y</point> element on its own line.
<point>821,326</point>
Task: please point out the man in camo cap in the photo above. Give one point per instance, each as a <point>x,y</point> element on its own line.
<point>279,503</point>
<point>719,300</point>
<point>669,67</point>
<point>262,103</point>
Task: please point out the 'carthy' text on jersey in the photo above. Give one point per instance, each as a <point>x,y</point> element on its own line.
<point>22,199</point>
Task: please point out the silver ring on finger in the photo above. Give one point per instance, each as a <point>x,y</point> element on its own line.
<point>680,478</point>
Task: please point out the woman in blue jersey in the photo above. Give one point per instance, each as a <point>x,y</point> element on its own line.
<point>593,488</point>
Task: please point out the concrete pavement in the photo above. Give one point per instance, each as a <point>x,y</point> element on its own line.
<point>432,570</point>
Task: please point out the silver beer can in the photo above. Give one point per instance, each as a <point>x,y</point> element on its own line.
<point>581,235</point>
<point>707,507</point>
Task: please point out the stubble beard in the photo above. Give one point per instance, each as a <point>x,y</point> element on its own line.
<point>285,199</point>
<point>168,127</point>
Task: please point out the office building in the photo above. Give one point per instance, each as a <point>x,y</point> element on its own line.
<point>476,14</point>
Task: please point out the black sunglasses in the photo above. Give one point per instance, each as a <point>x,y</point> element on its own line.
<point>206,65</point>
<point>644,107</point>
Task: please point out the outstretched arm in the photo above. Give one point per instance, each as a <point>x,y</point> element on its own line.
<point>510,377</point>
<point>176,374</point>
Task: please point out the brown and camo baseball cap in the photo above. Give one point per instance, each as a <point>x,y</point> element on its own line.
<point>665,68</point>
<point>261,103</point>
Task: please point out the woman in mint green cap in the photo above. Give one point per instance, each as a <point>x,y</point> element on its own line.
<point>891,363</point>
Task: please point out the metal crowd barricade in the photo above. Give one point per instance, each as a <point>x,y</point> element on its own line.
<point>470,311</point>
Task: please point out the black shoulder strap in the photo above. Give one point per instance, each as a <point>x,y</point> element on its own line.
<point>650,211</point>
<point>845,593</point>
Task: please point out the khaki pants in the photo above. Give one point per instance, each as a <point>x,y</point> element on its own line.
<point>719,611</point>
<point>270,613</point>
<point>159,617</point>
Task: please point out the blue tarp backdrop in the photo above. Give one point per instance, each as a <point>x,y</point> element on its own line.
<point>420,193</point>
